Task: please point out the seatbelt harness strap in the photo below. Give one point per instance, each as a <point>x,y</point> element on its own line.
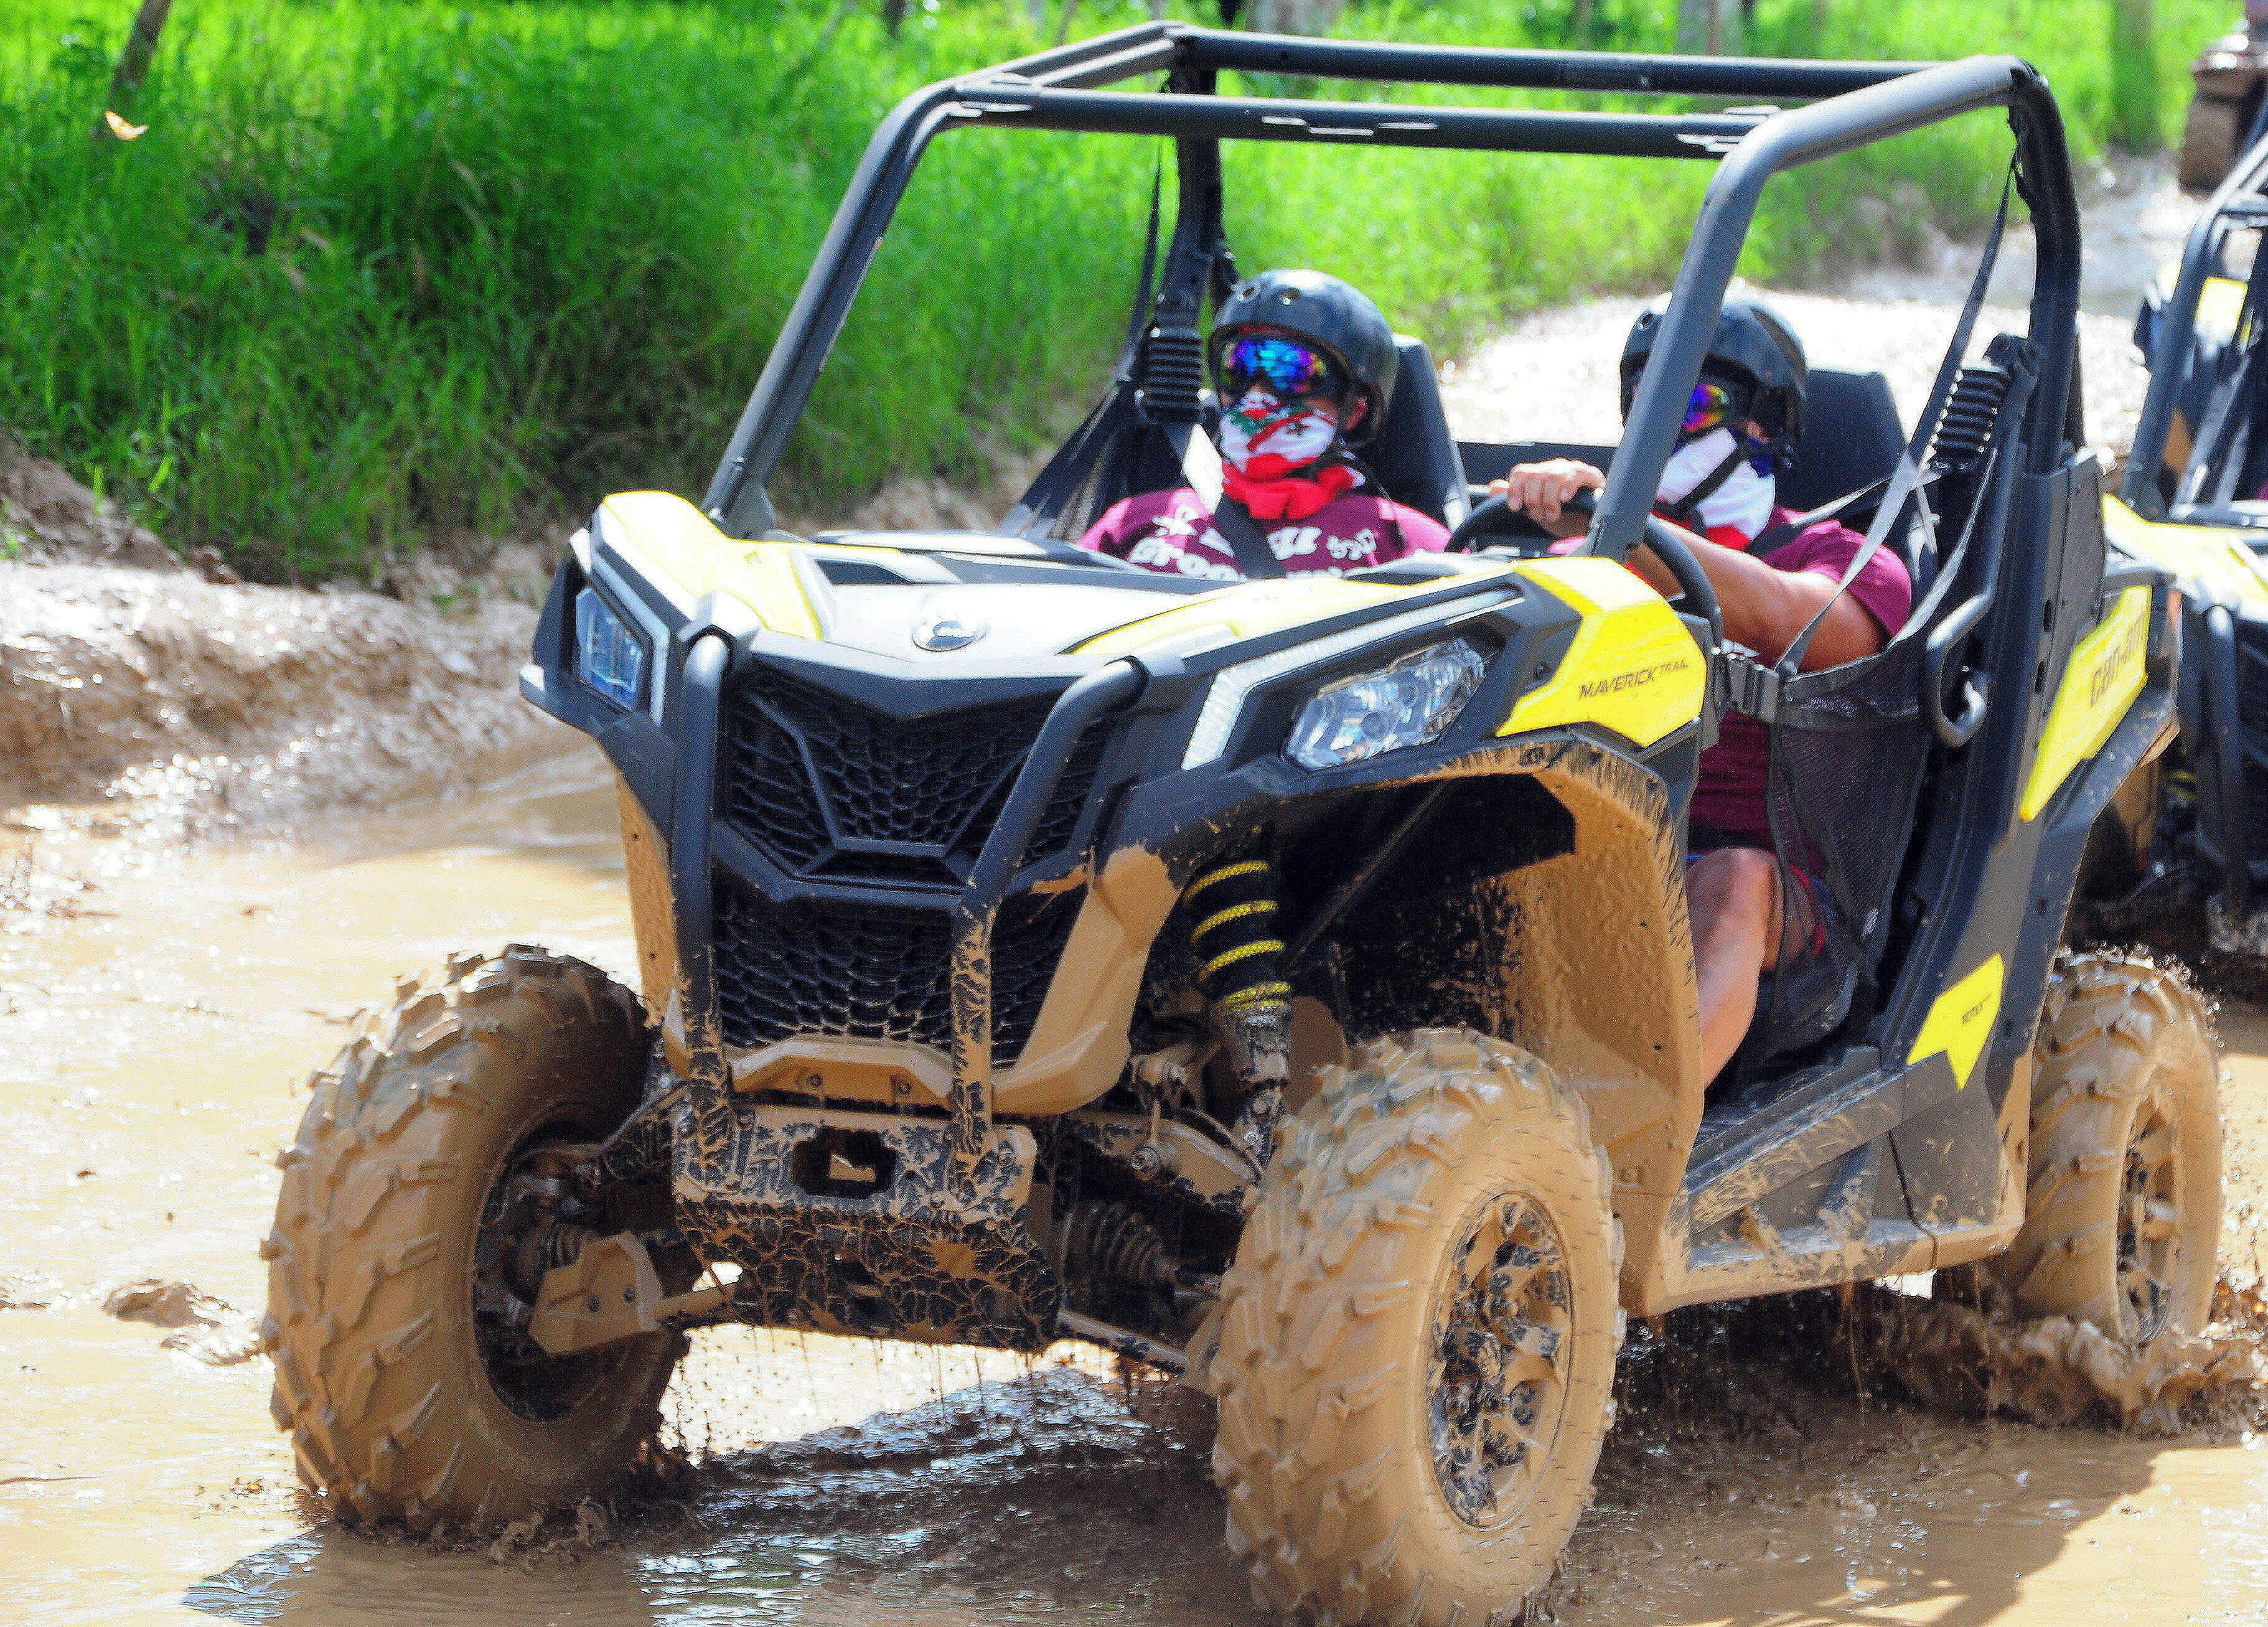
<point>1907,475</point>
<point>1772,537</point>
<point>1751,688</point>
<point>1246,539</point>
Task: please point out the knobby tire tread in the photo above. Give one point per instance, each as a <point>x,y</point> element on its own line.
<point>359,1384</point>
<point>1305,1455</point>
<point>2113,1025</point>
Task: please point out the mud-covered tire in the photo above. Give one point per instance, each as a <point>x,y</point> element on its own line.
<point>1337,1326</point>
<point>2122,1218</point>
<point>381,1378</point>
<point>2211,141</point>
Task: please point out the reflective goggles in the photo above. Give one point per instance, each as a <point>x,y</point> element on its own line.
<point>1715,404</point>
<point>1291,369</point>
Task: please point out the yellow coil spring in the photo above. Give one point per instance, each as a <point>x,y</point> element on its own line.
<point>1233,938</point>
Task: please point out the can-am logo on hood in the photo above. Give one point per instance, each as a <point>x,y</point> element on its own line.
<point>949,632</point>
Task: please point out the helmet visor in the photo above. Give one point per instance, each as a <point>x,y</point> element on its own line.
<point>1293,370</point>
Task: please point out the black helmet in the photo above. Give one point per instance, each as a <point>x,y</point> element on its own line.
<point>1754,343</point>
<point>1334,316</point>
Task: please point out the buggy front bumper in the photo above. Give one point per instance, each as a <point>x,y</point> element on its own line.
<point>863,1223</point>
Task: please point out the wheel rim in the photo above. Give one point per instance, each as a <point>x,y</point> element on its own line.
<point>534,1384</point>
<point>2149,1220</point>
<point>1496,1382</point>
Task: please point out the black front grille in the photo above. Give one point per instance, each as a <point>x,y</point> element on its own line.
<point>877,972</point>
<point>1059,820</point>
<point>834,791</point>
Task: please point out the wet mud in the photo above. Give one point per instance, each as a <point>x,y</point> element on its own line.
<point>153,694</point>
<point>1769,1464</point>
<point>155,700</point>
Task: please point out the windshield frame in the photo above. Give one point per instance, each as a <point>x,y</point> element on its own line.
<point>1851,104</point>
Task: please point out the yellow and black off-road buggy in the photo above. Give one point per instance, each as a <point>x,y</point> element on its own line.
<point>1288,983</point>
<point>2192,834</point>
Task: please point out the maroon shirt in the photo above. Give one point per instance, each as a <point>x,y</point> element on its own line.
<point>1729,798</point>
<point>1172,533</point>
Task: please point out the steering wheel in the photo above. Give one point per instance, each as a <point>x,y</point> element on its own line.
<point>1495,513</point>
<point>1492,515</point>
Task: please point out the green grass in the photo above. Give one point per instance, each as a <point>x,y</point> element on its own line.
<point>523,254</point>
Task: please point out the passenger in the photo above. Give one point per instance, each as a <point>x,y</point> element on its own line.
<point>1303,366</point>
<point>1719,489</point>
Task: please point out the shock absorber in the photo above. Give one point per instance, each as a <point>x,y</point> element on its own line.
<point>1239,971</point>
<point>550,1242</point>
<point>1111,1242</point>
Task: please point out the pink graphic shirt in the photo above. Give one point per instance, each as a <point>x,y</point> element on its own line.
<point>1729,797</point>
<point>1172,533</point>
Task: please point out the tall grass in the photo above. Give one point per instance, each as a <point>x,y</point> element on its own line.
<point>383,271</point>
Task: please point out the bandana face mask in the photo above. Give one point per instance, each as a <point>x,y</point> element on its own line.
<point>1262,437</point>
<point>1742,501</point>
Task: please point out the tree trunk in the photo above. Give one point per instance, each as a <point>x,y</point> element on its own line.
<point>2136,124</point>
<point>1062,26</point>
<point>1293,17</point>
<point>894,17</point>
<point>1710,25</point>
<point>141,48</point>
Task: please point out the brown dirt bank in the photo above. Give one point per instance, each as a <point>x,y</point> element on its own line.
<point>137,691</point>
<point>141,691</point>
<point>145,697</point>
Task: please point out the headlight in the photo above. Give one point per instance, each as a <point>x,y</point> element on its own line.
<point>1408,703</point>
<point>609,653</point>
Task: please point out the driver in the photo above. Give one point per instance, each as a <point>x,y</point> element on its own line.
<point>1303,367</point>
<point>1771,576</point>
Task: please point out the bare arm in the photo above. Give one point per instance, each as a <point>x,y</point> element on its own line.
<point>1764,608</point>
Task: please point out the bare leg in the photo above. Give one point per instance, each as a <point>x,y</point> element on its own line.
<point>1734,896</point>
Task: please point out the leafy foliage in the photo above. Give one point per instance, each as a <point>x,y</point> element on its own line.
<point>382,271</point>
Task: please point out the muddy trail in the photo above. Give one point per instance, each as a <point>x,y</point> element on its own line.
<point>159,1006</point>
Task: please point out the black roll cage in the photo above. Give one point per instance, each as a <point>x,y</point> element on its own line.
<point>1851,104</point>
<point>2240,204</point>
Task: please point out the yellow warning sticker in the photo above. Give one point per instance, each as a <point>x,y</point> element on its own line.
<point>1960,1021</point>
<point>2100,680</point>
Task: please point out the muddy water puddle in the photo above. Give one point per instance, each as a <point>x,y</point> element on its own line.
<point>157,1008</point>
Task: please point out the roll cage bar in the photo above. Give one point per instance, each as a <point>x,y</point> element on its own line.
<point>1851,104</point>
<point>2239,203</point>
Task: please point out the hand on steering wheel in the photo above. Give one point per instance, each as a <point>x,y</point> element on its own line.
<point>1668,545</point>
<point>1539,494</point>
<point>1494,517</point>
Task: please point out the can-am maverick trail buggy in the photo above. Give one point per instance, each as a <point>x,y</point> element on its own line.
<point>2192,828</point>
<point>1285,981</point>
